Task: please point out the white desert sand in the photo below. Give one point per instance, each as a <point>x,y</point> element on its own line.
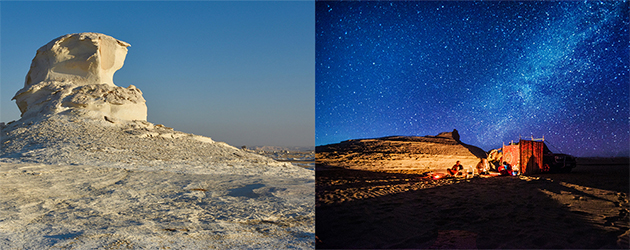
<point>83,169</point>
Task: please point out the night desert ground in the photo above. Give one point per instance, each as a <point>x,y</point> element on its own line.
<point>394,206</point>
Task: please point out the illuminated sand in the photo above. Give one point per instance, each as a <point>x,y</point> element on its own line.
<point>584,209</point>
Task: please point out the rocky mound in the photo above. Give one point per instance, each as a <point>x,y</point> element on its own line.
<point>62,139</point>
<point>73,113</point>
<point>400,153</point>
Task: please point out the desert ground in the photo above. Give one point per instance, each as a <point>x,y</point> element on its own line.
<point>78,183</point>
<point>587,208</point>
<point>88,207</point>
<point>298,156</point>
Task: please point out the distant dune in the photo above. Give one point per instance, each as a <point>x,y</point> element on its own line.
<point>280,148</point>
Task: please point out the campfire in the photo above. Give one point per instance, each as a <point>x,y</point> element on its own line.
<point>438,176</point>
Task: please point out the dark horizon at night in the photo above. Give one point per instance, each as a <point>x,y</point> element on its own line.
<point>495,71</point>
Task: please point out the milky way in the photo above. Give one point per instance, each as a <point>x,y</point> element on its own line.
<point>495,71</point>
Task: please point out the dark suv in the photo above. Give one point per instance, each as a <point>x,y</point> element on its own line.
<point>558,163</point>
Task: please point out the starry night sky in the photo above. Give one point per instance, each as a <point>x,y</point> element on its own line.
<point>492,70</point>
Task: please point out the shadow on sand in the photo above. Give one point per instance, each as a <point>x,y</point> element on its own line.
<point>501,212</point>
<point>478,152</point>
<point>613,177</point>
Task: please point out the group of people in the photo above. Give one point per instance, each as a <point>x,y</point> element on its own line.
<point>507,169</point>
<point>483,168</point>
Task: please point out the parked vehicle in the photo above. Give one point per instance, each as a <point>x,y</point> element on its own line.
<point>558,163</point>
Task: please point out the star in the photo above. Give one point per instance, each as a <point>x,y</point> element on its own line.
<point>495,71</point>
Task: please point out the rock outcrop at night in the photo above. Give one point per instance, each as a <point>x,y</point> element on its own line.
<point>400,153</point>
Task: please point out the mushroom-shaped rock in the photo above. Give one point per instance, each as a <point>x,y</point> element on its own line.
<point>84,58</point>
<point>75,72</point>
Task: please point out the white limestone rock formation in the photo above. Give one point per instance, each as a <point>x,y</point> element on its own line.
<point>74,74</point>
<point>103,165</point>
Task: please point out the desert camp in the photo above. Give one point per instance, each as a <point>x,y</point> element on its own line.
<point>396,192</point>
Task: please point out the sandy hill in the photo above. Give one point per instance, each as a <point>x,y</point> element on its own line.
<point>400,153</point>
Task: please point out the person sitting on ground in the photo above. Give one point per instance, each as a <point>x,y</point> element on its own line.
<point>455,169</point>
<point>483,167</point>
<point>505,169</point>
<point>515,171</point>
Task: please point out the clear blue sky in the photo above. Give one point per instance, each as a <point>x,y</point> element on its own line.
<point>238,72</point>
